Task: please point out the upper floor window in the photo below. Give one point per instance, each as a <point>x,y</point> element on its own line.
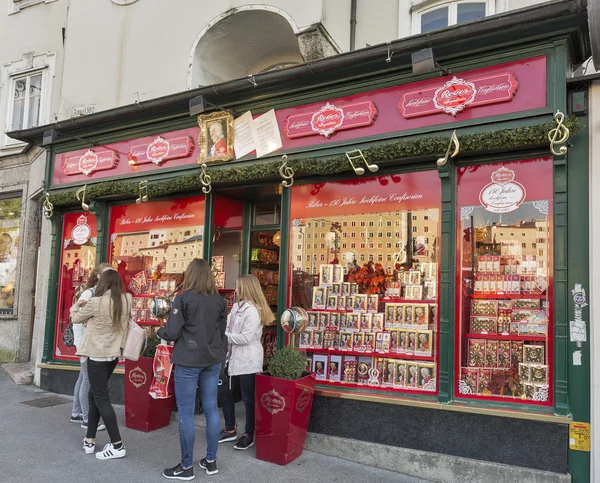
<point>25,101</point>
<point>444,14</point>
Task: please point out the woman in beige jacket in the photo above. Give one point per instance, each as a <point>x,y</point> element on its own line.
<point>107,314</point>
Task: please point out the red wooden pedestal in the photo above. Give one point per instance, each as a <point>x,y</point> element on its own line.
<point>282,412</point>
<point>143,412</point>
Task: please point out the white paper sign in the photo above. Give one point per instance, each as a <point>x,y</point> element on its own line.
<point>267,131</point>
<point>244,135</point>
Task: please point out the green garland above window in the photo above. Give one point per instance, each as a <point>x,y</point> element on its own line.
<point>501,140</point>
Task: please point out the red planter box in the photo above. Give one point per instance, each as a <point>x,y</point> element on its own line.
<point>282,412</point>
<point>143,412</point>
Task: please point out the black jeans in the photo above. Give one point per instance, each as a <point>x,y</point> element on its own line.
<point>247,383</point>
<point>99,373</point>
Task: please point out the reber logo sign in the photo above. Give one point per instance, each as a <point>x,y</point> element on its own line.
<point>327,119</point>
<point>158,150</point>
<point>81,232</point>
<point>302,401</point>
<point>503,194</point>
<point>454,96</point>
<point>88,162</point>
<point>137,377</point>
<point>272,401</point>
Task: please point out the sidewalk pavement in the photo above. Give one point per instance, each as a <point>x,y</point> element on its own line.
<point>41,445</point>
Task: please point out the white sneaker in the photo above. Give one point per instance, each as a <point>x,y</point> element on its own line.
<point>101,426</point>
<point>109,452</point>
<point>88,447</point>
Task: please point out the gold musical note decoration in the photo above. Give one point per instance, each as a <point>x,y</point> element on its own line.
<point>80,194</point>
<point>453,140</point>
<point>286,172</point>
<point>205,179</point>
<point>357,154</point>
<point>47,206</point>
<point>143,190</point>
<point>559,135</point>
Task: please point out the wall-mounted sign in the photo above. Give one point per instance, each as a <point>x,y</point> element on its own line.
<point>458,94</point>
<point>161,149</point>
<point>331,118</point>
<point>90,162</point>
<point>81,231</point>
<point>503,194</point>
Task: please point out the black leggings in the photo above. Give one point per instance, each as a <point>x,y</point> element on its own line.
<point>247,384</point>
<point>99,373</point>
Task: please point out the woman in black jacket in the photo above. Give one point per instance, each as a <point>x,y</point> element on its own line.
<point>197,326</point>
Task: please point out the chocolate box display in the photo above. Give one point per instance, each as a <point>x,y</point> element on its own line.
<point>491,353</point>
<point>476,355</point>
<point>484,307</point>
<point>483,325</point>
<point>534,354</point>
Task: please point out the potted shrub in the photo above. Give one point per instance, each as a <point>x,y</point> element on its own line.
<point>284,397</point>
<point>143,412</point>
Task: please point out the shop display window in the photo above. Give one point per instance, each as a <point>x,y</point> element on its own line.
<point>10,233</point>
<point>504,281</point>
<point>151,245</point>
<point>364,263</point>
<point>77,260</point>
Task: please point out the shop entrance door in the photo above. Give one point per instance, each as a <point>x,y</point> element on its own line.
<point>246,234</point>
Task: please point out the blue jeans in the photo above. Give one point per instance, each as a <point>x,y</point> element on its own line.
<point>80,395</point>
<point>187,379</point>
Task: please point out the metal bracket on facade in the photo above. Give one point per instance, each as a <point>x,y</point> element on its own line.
<point>47,206</point>
<point>286,172</point>
<point>205,179</point>
<point>252,80</point>
<point>143,192</point>
<point>559,135</point>
<point>357,154</point>
<point>453,140</point>
<point>80,195</point>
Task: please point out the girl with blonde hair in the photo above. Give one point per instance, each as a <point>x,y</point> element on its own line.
<point>244,332</point>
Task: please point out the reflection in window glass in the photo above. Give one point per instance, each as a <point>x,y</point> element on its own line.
<point>10,219</point>
<point>505,306</point>
<point>435,19</point>
<point>77,261</point>
<point>267,213</point>
<point>374,307</point>
<point>470,11</point>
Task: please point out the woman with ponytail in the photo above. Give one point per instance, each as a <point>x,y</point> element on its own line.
<point>107,314</point>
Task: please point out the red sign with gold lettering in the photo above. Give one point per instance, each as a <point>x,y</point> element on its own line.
<point>329,119</point>
<point>90,162</point>
<point>457,94</point>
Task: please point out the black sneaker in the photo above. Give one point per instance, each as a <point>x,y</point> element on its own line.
<point>244,443</point>
<point>211,468</point>
<point>77,419</point>
<point>178,473</point>
<point>227,436</point>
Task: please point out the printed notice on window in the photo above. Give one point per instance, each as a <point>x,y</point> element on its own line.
<point>267,131</point>
<point>244,135</point>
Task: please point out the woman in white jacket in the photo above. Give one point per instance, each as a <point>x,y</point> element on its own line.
<point>244,331</point>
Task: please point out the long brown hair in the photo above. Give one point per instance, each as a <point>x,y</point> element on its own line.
<point>95,274</point>
<point>198,278</point>
<point>111,281</point>
<point>248,289</point>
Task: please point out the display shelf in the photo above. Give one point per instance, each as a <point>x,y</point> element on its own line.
<point>148,322</point>
<point>355,385</point>
<point>536,338</point>
<point>507,296</point>
<point>385,355</point>
<point>265,266</point>
<point>399,300</point>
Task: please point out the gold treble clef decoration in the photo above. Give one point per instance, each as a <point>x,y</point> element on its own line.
<point>453,141</point>
<point>286,172</point>
<point>559,135</point>
<point>205,179</point>
<point>47,206</point>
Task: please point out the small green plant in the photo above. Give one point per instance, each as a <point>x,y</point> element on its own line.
<point>150,349</point>
<point>287,363</point>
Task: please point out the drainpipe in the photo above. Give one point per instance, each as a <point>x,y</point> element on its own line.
<point>352,24</point>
